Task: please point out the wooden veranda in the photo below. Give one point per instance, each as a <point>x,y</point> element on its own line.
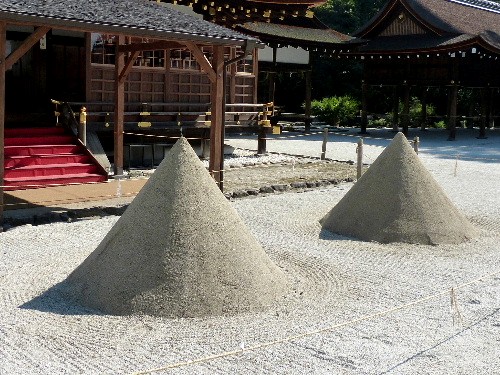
<point>157,26</point>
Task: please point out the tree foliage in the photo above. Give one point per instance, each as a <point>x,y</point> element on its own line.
<point>347,16</point>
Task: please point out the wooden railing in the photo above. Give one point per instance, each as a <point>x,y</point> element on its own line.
<point>175,115</point>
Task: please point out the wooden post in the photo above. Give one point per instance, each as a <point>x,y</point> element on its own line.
<point>216,163</point>
<point>82,126</point>
<point>359,151</point>
<point>395,109</point>
<point>255,71</point>
<point>491,114</point>
<point>364,108</point>
<point>261,138</point>
<point>308,102</point>
<point>484,112</point>
<point>325,141</point>
<point>452,119</point>
<point>205,144</point>
<point>232,77</point>
<point>416,142</point>
<point>406,108</point>
<point>272,76</point>
<point>3,52</point>
<point>423,115</point>
<point>119,107</point>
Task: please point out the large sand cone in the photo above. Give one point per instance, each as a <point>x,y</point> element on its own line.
<point>179,250</point>
<point>398,200</point>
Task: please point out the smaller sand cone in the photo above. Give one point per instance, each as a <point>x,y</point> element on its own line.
<point>398,200</point>
<point>179,250</point>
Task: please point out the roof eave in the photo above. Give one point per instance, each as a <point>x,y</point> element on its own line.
<point>85,26</point>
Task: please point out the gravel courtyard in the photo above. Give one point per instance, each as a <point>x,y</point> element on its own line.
<point>354,307</point>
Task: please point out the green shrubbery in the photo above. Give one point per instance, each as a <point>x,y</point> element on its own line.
<point>335,110</point>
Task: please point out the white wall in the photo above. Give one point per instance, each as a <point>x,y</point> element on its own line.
<point>285,55</point>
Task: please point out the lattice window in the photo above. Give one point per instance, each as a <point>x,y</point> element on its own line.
<point>103,49</point>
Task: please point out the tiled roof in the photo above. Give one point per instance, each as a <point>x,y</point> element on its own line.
<point>459,16</point>
<point>480,4</point>
<point>134,17</point>
<point>417,43</point>
<point>296,36</point>
<point>454,21</point>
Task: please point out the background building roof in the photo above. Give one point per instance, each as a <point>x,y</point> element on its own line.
<point>449,23</point>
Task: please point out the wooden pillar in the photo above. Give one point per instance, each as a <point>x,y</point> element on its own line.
<point>232,77</point>
<point>272,77</point>
<point>88,65</point>
<point>3,51</point>
<point>308,96</point>
<point>491,96</point>
<point>484,112</point>
<point>119,108</point>
<point>406,108</point>
<point>216,164</point>
<point>395,108</point>
<point>364,108</point>
<point>452,115</point>
<point>423,115</point>
<point>255,71</point>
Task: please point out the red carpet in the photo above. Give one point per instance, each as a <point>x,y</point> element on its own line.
<point>37,157</point>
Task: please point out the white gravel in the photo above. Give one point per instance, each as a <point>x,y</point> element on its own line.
<point>336,281</point>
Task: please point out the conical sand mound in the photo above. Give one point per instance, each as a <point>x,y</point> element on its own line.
<point>179,250</point>
<point>398,200</point>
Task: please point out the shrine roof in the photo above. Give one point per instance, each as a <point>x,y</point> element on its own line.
<point>131,17</point>
<point>296,36</point>
<point>445,23</point>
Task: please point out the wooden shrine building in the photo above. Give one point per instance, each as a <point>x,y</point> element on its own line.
<point>415,44</point>
<point>290,31</point>
<point>113,55</point>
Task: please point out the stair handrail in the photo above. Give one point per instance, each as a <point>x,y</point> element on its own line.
<point>68,118</point>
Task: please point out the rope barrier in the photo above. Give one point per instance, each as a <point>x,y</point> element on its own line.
<point>321,330</point>
<point>164,136</point>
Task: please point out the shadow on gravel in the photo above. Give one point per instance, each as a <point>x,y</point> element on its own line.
<point>57,300</point>
<point>394,368</point>
<point>330,236</point>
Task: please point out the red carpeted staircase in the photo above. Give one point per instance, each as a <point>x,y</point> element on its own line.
<point>41,156</point>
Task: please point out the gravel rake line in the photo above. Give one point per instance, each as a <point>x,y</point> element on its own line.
<point>318,331</point>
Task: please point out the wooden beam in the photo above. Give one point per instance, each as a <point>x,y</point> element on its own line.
<point>364,108</point>
<point>423,115</point>
<point>3,51</point>
<point>406,108</point>
<point>128,66</point>
<point>119,108</point>
<point>153,46</point>
<point>255,71</point>
<point>232,77</point>
<point>88,67</point>
<point>452,115</point>
<point>202,60</point>
<point>395,109</point>
<point>307,104</point>
<point>26,46</point>
<point>216,164</point>
<point>484,112</point>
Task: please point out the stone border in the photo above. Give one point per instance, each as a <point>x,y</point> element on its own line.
<point>68,216</point>
<point>298,186</point>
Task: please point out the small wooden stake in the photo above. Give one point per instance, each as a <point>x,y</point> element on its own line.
<point>456,166</point>
<point>323,146</point>
<point>359,151</point>
<point>416,142</point>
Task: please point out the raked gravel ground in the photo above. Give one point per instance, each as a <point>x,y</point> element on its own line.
<point>354,307</point>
